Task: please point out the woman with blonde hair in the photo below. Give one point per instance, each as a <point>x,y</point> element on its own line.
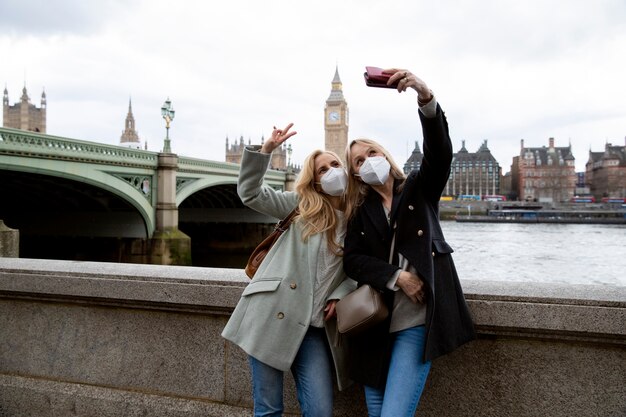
<point>285,319</point>
<point>395,244</point>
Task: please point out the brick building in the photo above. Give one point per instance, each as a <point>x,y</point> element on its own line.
<point>605,172</point>
<point>24,115</point>
<point>544,174</point>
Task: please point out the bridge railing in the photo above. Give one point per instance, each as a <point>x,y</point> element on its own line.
<point>86,338</point>
<point>187,164</point>
<point>25,143</point>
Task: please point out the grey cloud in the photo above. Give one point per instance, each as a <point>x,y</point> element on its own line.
<point>45,17</point>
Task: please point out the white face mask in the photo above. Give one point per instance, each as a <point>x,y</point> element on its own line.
<point>375,170</point>
<point>334,181</point>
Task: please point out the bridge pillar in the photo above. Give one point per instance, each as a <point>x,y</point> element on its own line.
<point>168,246</point>
<point>9,241</point>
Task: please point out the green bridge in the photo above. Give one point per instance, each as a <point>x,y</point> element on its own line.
<point>56,186</point>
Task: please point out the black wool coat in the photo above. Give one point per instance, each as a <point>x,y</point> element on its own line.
<point>419,238</point>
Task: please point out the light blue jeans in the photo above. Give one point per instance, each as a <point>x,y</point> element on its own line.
<point>406,378</point>
<point>312,373</point>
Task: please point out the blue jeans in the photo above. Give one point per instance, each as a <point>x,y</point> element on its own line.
<point>312,372</point>
<point>406,378</point>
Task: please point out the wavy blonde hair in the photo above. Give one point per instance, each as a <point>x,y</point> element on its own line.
<point>357,189</point>
<point>316,213</point>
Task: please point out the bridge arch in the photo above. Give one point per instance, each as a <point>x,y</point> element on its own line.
<point>93,175</point>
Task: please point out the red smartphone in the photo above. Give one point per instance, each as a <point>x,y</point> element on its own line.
<point>374,77</point>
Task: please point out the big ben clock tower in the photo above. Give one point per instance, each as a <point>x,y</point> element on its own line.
<point>336,119</point>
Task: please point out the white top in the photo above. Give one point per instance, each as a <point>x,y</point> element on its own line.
<point>327,264</point>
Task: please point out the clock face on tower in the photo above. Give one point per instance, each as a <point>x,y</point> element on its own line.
<point>333,116</point>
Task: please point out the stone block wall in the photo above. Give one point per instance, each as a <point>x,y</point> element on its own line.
<point>104,339</point>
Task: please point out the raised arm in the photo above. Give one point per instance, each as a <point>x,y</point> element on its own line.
<point>254,164</point>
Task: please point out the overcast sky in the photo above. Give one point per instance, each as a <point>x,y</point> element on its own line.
<point>502,70</point>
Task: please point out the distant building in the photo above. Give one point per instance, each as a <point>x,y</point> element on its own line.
<point>606,172</point>
<point>24,115</point>
<point>335,130</point>
<point>506,187</point>
<point>582,188</point>
<point>129,137</point>
<point>234,152</point>
<point>336,119</point>
<point>544,174</point>
<point>414,161</point>
<point>475,173</point>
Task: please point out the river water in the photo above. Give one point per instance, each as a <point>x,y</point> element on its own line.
<point>557,253</point>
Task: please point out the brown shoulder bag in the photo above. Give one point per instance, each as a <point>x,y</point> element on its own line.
<point>259,253</point>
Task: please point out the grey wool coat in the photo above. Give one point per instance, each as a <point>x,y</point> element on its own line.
<point>274,312</point>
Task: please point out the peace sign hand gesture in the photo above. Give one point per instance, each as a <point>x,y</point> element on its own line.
<point>279,136</point>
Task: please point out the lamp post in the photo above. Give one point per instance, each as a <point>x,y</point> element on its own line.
<point>167,111</point>
<point>289,150</point>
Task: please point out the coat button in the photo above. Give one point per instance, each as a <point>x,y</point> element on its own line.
<point>433,254</point>
<point>293,285</point>
<point>280,315</point>
<point>410,207</point>
<point>420,232</point>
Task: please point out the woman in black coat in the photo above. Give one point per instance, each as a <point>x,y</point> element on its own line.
<point>429,316</point>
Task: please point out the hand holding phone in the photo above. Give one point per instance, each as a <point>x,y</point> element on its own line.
<point>374,77</point>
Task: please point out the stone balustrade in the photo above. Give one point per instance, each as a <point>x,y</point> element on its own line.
<point>105,339</point>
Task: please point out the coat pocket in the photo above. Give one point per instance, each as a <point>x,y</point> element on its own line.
<point>265,285</point>
<point>440,246</point>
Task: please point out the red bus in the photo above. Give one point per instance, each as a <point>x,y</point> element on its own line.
<point>583,199</point>
<point>613,200</point>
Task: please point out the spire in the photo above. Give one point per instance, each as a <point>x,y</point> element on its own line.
<point>5,97</point>
<point>336,93</point>
<point>24,97</point>
<point>129,135</point>
<point>130,119</point>
<point>336,79</point>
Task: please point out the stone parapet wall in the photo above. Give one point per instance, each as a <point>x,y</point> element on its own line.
<point>105,339</point>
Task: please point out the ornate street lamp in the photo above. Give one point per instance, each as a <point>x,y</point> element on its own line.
<point>167,111</point>
<point>289,150</point>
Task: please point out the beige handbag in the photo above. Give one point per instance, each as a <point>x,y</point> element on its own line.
<point>362,308</point>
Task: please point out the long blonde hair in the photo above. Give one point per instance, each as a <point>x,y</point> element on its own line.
<point>316,213</point>
<point>357,189</point>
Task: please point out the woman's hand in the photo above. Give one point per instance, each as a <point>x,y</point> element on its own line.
<point>278,137</point>
<point>412,286</point>
<point>406,79</point>
<point>330,309</point>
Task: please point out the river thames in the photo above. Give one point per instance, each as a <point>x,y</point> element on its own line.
<point>558,253</point>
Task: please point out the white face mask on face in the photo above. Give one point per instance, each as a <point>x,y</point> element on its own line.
<point>375,170</point>
<point>334,181</point>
